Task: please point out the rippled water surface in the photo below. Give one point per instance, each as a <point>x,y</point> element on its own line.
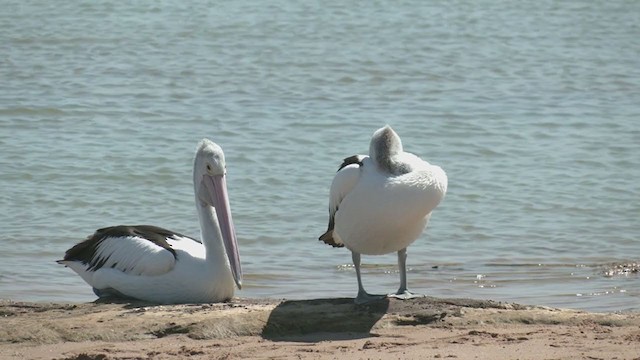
<point>532,108</point>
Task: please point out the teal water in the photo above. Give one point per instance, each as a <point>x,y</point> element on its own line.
<point>532,108</point>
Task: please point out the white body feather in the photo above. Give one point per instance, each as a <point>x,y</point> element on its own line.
<point>122,261</point>
<point>145,271</point>
<point>378,213</point>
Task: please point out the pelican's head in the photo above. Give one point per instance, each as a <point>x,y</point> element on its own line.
<point>385,144</point>
<point>209,179</point>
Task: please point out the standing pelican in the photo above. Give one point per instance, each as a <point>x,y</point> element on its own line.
<point>154,264</point>
<point>381,203</point>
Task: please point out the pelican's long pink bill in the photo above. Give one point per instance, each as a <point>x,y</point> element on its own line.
<point>217,188</point>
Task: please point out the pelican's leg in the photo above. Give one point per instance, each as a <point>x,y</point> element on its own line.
<point>403,293</point>
<point>363,297</point>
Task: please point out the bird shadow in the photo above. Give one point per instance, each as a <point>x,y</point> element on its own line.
<point>323,319</point>
<point>126,302</point>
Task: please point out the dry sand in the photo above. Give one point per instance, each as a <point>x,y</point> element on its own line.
<point>426,328</point>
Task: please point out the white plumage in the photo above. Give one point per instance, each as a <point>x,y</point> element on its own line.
<point>136,256</point>
<point>381,203</point>
<point>154,264</point>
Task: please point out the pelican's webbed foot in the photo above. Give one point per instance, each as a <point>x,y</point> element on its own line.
<point>111,293</point>
<point>405,295</point>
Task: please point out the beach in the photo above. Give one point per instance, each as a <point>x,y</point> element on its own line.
<point>422,328</point>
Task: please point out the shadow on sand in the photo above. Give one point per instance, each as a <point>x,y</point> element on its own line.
<point>323,319</point>
<point>311,320</point>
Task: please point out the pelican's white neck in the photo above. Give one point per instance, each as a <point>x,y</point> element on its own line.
<point>211,237</point>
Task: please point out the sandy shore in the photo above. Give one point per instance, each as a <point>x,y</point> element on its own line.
<point>427,328</point>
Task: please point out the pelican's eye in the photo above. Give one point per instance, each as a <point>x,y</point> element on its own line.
<point>209,167</point>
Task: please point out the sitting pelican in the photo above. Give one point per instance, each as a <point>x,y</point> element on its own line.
<point>381,203</point>
<point>153,264</point>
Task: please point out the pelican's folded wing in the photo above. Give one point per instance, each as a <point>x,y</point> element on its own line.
<point>135,250</point>
<point>346,178</point>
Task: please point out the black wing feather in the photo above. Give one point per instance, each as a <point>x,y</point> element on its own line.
<point>85,251</point>
<point>327,237</point>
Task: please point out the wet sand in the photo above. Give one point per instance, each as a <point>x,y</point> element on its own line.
<point>424,328</point>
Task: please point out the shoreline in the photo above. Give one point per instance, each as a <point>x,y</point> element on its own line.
<point>313,329</point>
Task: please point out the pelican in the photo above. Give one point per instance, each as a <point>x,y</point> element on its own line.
<point>381,203</point>
<point>153,264</point>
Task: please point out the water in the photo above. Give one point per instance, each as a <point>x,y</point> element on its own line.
<point>531,107</point>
